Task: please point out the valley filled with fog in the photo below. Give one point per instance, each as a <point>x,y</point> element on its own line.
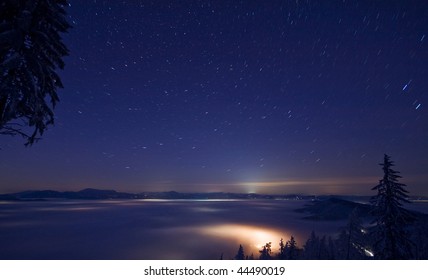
<point>149,229</point>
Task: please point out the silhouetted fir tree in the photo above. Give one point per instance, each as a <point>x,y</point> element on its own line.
<point>250,257</point>
<point>355,238</point>
<point>323,253</point>
<point>421,239</point>
<point>390,237</point>
<point>331,246</point>
<point>265,252</point>
<point>312,247</point>
<point>341,245</point>
<point>291,249</point>
<point>240,255</point>
<point>351,241</point>
<point>281,253</point>
<point>31,50</point>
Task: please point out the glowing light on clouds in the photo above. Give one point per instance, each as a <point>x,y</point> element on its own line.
<point>360,185</point>
<point>251,237</point>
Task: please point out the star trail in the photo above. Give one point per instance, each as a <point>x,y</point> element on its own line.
<point>234,96</point>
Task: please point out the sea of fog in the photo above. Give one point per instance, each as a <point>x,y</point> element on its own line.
<point>150,229</point>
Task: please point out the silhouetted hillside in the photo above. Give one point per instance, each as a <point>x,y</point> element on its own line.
<point>83,194</point>
<point>112,194</point>
<point>333,208</point>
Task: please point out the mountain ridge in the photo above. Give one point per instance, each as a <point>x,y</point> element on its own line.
<point>91,193</point>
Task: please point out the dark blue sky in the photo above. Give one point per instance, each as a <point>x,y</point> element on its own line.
<point>265,96</point>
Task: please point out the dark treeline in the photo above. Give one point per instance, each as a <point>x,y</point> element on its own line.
<point>393,233</point>
<point>352,242</point>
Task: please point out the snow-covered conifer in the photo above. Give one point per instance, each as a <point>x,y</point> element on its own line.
<point>31,50</point>
<point>390,236</point>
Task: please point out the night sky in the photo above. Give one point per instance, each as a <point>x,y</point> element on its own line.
<point>236,96</point>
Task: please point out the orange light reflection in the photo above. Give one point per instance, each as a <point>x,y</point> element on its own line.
<point>251,237</point>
